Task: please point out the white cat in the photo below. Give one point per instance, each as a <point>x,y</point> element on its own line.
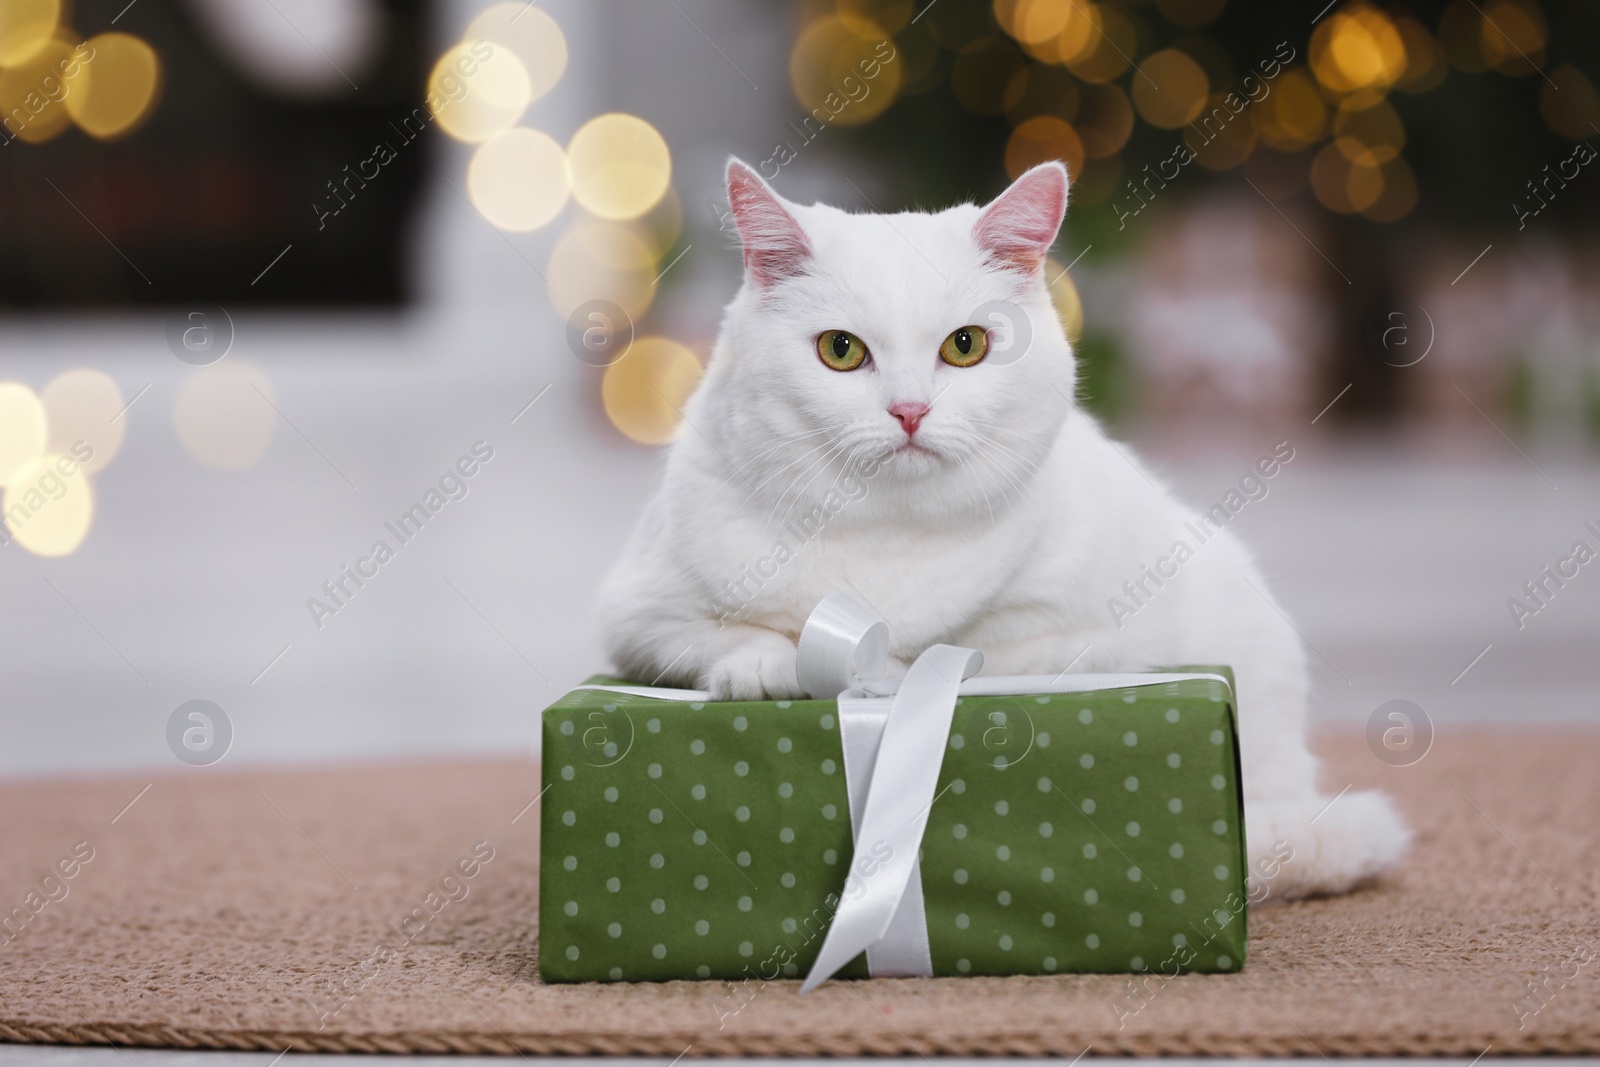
<point>866,426</point>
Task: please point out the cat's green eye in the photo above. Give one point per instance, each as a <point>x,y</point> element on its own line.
<point>841,350</point>
<point>965,347</point>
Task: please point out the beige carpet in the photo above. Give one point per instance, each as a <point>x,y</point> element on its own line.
<point>242,909</point>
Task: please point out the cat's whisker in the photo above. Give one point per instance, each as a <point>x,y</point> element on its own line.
<point>1024,490</point>
<point>982,484</point>
<point>793,462</point>
<point>844,468</point>
<point>826,460</point>
<point>1000,430</point>
<point>816,470</point>
<point>1029,466</point>
<point>988,500</point>
<point>772,519</point>
<point>783,443</point>
<point>1007,448</point>
<point>997,428</point>
<point>1005,486</point>
<point>1002,464</point>
<point>786,442</point>
<point>1025,471</point>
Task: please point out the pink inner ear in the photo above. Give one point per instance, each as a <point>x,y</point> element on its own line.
<point>1018,229</point>
<point>775,247</point>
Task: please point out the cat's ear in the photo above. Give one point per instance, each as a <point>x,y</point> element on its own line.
<point>775,247</point>
<point>1018,229</point>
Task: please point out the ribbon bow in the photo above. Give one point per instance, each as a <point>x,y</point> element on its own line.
<point>843,641</point>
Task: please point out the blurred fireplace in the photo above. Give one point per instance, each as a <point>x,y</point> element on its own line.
<point>261,148</point>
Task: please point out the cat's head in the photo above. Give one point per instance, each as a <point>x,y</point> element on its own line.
<point>925,343</point>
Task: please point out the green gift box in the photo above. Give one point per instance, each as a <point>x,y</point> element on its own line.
<point>1069,831</point>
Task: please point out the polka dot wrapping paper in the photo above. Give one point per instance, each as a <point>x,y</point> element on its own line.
<point>1073,832</point>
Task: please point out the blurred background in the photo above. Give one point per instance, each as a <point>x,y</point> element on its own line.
<point>272,270</point>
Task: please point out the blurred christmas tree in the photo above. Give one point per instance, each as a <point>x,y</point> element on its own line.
<point>1378,122</point>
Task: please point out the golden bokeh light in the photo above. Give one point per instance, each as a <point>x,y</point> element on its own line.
<point>1293,116</point>
<point>1361,99</point>
<point>49,508</point>
<point>1005,13</point>
<point>1064,295</point>
<point>918,56</point>
<point>620,166</point>
<point>876,16</point>
<point>1329,171</point>
<point>1399,193</point>
<point>843,71</point>
<point>529,32</point>
<point>1461,36</point>
<point>23,430</point>
<point>83,407</point>
<point>662,225</point>
<point>1221,140</point>
<point>1045,51</point>
<point>1570,104</point>
<point>34,92</point>
<point>1370,136</point>
<point>644,392</point>
<point>1046,90</point>
<point>1041,139</point>
<point>1105,120</point>
<point>1364,186</point>
<point>117,90</point>
<point>597,260</point>
<point>1109,44</point>
<point>224,415</point>
<point>25,27</point>
<point>987,76</point>
<point>1343,186</point>
<point>1512,36</point>
<point>518,179</point>
<point>1169,89</point>
<point>477,90</point>
<point>1425,62</point>
<point>1034,21</point>
<point>1357,48</point>
<point>1081,33</point>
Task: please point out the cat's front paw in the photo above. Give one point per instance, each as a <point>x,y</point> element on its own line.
<point>760,669</point>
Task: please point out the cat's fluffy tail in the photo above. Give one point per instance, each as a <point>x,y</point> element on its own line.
<point>1337,843</point>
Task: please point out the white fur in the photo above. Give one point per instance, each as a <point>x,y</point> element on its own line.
<point>1009,536</point>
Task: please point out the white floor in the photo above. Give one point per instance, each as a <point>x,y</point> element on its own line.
<point>193,584</point>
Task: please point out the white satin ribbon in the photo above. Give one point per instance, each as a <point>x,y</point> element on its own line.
<point>843,645</point>
<point>893,736</point>
<point>889,834</point>
<point>879,694</point>
<point>903,951</point>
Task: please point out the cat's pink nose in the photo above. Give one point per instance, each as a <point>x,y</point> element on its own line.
<point>909,414</point>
